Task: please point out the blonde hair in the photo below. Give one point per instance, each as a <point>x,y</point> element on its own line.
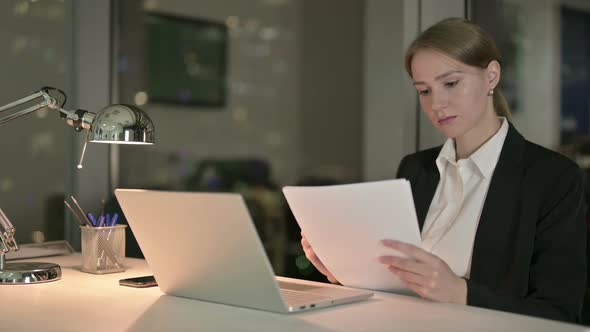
<point>465,42</point>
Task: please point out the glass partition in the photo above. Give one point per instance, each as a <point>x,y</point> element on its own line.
<point>35,38</point>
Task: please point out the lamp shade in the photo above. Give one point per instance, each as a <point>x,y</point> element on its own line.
<point>122,124</point>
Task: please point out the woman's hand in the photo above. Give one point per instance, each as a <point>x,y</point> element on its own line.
<point>313,258</point>
<point>424,273</point>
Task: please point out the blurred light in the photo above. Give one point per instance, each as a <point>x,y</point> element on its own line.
<point>48,55</point>
<point>141,98</point>
<point>273,139</point>
<point>56,13</point>
<point>569,123</point>
<point>240,114</point>
<point>232,22</point>
<point>21,8</point>
<point>42,143</point>
<point>194,70</point>
<point>38,237</point>
<point>42,113</point>
<point>6,185</point>
<point>252,25</point>
<point>19,43</point>
<point>269,33</point>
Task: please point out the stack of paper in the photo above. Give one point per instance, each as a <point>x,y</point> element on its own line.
<point>346,223</point>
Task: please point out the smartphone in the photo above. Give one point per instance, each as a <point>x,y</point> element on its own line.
<point>139,282</point>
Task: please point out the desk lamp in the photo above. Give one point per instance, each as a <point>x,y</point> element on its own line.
<point>114,124</point>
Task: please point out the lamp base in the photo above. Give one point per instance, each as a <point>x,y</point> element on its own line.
<point>29,273</point>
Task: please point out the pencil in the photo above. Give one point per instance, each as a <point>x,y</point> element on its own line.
<point>86,220</point>
<point>82,223</point>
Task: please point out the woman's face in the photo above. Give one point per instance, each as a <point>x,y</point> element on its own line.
<point>452,94</point>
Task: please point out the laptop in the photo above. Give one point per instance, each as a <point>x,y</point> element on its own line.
<point>205,246</point>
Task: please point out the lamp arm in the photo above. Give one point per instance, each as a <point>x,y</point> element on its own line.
<point>79,119</point>
<point>48,101</point>
<point>7,241</point>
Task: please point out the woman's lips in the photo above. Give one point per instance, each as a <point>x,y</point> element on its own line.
<point>447,120</point>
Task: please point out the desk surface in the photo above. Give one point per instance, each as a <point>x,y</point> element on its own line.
<point>87,302</point>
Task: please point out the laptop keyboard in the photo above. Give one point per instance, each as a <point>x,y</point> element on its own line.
<point>296,298</point>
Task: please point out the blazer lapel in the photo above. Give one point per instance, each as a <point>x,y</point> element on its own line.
<point>500,204</point>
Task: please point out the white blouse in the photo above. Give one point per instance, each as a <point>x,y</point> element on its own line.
<point>451,223</point>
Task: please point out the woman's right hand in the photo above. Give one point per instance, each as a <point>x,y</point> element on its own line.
<point>313,258</point>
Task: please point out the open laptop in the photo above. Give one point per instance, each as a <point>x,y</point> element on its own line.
<point>204,246</point>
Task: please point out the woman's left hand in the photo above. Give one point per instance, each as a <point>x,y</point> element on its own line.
<point>424,273</point>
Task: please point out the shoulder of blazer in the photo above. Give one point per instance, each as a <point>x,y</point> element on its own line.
<point>534,158</point>
<point>543,172</point>
<point>537,156</point>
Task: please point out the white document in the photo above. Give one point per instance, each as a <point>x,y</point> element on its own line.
<point>345,224</point>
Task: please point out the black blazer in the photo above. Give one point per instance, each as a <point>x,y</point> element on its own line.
<point>529,250</point>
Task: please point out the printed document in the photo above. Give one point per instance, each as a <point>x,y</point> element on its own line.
<point>345,224</point>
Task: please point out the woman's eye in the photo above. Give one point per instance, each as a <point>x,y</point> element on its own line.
<point>423,92</point>
<point>451,84</point>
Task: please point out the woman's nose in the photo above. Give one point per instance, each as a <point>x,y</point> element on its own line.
<point>439,101</point>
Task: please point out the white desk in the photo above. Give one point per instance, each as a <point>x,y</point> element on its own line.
<point>87,302</point>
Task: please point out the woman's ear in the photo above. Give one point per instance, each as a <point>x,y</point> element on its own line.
<point>493,74</point>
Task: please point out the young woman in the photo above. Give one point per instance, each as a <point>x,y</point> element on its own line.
<point>502,219</point>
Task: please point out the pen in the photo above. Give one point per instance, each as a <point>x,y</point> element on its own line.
<point>108,220</point>
<point>92,219</point>
<point>115,219</point>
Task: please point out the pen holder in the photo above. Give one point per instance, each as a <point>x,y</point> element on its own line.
<point>103,249</point>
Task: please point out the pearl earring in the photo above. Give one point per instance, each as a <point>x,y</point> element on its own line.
<point>491,92</point>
